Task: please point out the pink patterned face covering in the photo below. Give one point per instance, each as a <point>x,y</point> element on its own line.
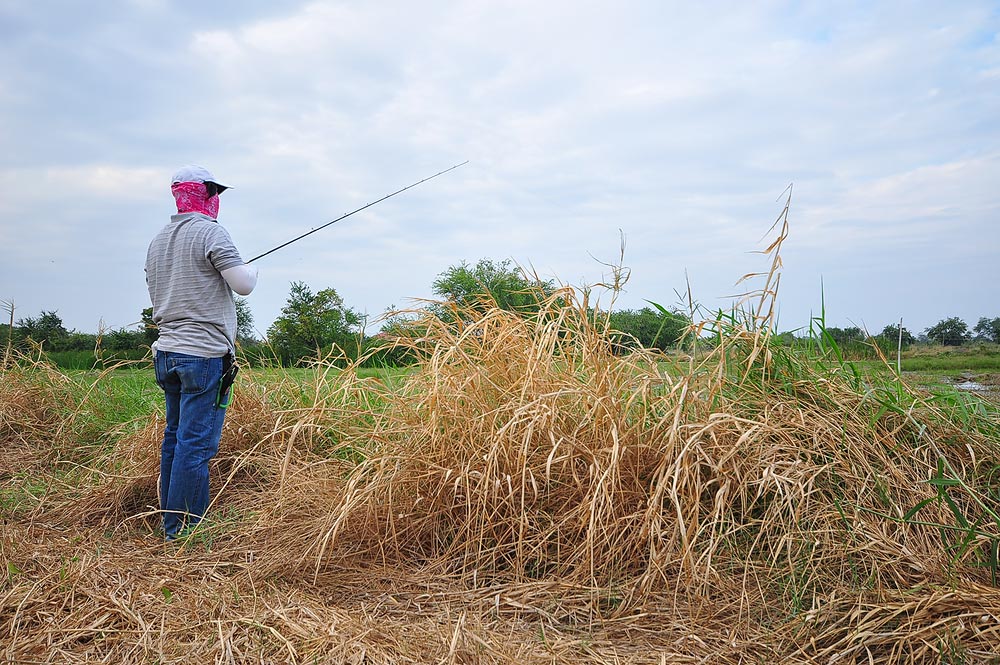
<point>193,197</point>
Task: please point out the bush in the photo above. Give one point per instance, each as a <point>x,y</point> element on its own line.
<point>647,328</point>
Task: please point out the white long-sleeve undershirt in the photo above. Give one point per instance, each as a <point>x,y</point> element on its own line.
<point>241,279</point>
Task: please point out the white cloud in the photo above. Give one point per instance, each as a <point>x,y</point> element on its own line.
<point>938,205</point>
<point>39,186</point>
<point>679,123</point>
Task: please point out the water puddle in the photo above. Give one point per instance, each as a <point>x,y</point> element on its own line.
<point>973,386</point>
<point>985,390</point>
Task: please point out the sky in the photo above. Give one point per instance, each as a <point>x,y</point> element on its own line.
<point>676,126</point>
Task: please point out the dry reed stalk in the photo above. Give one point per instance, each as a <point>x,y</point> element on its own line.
<point>521,453</point>
<point>29,397</point>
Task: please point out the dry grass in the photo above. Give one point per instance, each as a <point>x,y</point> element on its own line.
<point>525,496</point>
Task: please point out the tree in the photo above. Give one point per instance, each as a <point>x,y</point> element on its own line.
<point>78,341</point>
<point>844,336</point>
<point>649,328</point>
<point>245,333</point>
<point>123,339</point>
<point>949,332</point>
<point>392,345</point>
<point>890,336</point>
<point>988,329</point>
<point>786,338</point>
<point>149,331</point>
<point>47,329</point>
<point>311,324</point>
<point>471,287</point>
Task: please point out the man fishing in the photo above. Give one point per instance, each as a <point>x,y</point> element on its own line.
<point>192,270</point>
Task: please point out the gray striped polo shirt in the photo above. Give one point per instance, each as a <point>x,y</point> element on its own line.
<point>192,304</point>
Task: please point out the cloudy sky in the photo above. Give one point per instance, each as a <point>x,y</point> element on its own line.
<point>676,124</point>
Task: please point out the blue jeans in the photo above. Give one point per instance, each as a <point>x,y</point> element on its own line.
<point>191,437</point>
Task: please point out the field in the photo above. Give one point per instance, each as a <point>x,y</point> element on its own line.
<point>522,496</point>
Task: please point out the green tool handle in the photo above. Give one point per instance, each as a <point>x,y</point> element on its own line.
<point>225,395</point>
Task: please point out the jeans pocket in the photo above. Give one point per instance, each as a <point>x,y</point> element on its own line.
<point>196,374</point>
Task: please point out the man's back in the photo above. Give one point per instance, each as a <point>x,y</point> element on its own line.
<point>192,304</point>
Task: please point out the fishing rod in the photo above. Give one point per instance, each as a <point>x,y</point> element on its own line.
<point>398,191</point>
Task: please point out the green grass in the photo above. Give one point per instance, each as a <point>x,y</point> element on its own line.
<point>117,396</point>
<point>115,402</point>
<point>21,492</point>
<point>308,375</point>
<point>962,362</point>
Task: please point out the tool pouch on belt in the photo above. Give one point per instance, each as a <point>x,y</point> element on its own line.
<point>229,371</point>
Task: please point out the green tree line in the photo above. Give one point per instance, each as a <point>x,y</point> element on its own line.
<point>855,342</point>
<point>319,324</point>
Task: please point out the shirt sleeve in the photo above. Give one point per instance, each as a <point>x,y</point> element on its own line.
<point>221,251</point>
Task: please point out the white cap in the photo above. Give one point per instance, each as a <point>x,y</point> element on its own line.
<point>195,173</point>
